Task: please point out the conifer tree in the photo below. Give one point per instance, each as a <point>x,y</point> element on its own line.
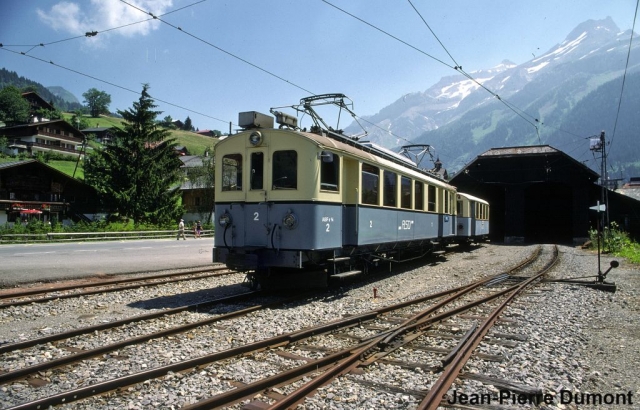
<point>137,174</point>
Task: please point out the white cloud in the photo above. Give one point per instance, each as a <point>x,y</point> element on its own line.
<point>100,15</point>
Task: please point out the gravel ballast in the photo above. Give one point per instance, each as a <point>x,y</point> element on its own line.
<point>580,343</point>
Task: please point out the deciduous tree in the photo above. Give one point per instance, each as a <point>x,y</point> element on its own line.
<point>13,108</point>
<point>138,173</point>
<point>97,101</point>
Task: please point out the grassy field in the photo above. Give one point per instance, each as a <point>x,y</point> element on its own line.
<point>195,144</point>
<point>68,167</point>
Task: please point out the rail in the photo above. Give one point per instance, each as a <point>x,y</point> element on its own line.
<point>96,236</point>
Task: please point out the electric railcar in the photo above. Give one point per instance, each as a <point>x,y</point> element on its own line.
<point>300,207</point>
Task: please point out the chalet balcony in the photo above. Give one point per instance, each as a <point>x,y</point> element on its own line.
<point>72,139</point>
<point>37,146</point>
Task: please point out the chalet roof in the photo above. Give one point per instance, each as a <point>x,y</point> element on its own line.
<point>631,188</point>
<point>36,100</point>
<point>189,161</point>
<point>96,129</point>
<point>12,164</point>
<point>35,163</point>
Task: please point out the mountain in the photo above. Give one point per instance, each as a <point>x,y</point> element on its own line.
<point>61,98</point>
<point>63,94</point>
<point>559,98</point>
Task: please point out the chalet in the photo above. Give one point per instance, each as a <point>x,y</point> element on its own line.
<point>33,190</point>
<point>36,103</point>
<point>206,133</point>
<point>103,134</point>
<point>197,198</point>
<point>55,136</point>
<point>180,150</point>
<point>41,134</point>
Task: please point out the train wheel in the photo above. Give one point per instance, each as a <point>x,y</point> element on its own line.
<point>252,281</point>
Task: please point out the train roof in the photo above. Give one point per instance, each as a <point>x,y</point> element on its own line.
<point>473,198</point>
<point>371,153</point>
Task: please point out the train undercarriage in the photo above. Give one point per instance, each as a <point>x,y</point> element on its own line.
<point>318,269</point>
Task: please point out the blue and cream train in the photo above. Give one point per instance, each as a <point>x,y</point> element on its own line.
<point>304,206</point>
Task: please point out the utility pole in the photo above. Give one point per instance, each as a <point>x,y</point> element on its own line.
<point>600,145</point>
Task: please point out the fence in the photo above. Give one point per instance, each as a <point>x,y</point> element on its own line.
<point>96,236</point>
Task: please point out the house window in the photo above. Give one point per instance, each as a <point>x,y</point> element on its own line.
<point>370,184</point>
<point>232,172</point>
<point>285,170</point>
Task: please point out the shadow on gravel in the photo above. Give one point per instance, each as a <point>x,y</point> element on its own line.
<point>188,298</point>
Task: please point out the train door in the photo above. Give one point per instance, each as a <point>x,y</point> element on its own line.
<point>474,207</point>
<point>256,210</point>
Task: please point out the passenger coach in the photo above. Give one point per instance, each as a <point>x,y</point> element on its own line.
<point>473,218</point>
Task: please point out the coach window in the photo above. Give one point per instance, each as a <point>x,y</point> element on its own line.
<point>232,172</point>
<point>370,184</point>
<point>285,170</point>
<point>390,188</point>
<point>418,196</point>
<point>447,201</point>
<point>329,171</point>
<point>405,192</point>
<point>257,170</point>
<point>431,198</point>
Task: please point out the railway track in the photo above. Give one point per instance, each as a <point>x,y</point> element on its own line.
<point>54,292</point>
<point>379,334</point>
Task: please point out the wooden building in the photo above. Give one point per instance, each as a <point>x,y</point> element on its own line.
<point>537,194</point>
<point>30,189</point>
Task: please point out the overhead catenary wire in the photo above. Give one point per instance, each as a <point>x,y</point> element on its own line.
<point>458,68</point>
<point>154,17</point>
<point>216,47</point>
<point>246,61</point>
<point>111,83</point>
<point>96,32</point>
<point>624,76</point>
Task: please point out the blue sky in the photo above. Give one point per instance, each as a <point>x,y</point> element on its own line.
<point>244,55</point>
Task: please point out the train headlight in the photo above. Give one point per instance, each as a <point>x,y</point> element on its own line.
<point>290,220</point>
<point>225,219</point>
<point>255,138</point>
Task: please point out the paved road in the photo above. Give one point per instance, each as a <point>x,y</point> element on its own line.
<point>24,263</point>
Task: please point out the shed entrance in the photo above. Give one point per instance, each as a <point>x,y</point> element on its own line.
<point>548,217</point>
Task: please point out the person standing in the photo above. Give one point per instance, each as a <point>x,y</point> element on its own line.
<point>181,230</point>
<point>198,229</point>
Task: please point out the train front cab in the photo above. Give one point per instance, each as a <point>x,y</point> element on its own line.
<point>278,201</point>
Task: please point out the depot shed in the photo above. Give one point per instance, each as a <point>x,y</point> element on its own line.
<point>537,194</point>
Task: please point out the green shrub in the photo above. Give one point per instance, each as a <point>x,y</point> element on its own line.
<point>614,240</point>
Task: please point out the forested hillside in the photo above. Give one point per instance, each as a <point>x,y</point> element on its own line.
<point>8,78</point>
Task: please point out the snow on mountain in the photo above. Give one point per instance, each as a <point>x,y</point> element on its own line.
<point>454,96</point>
